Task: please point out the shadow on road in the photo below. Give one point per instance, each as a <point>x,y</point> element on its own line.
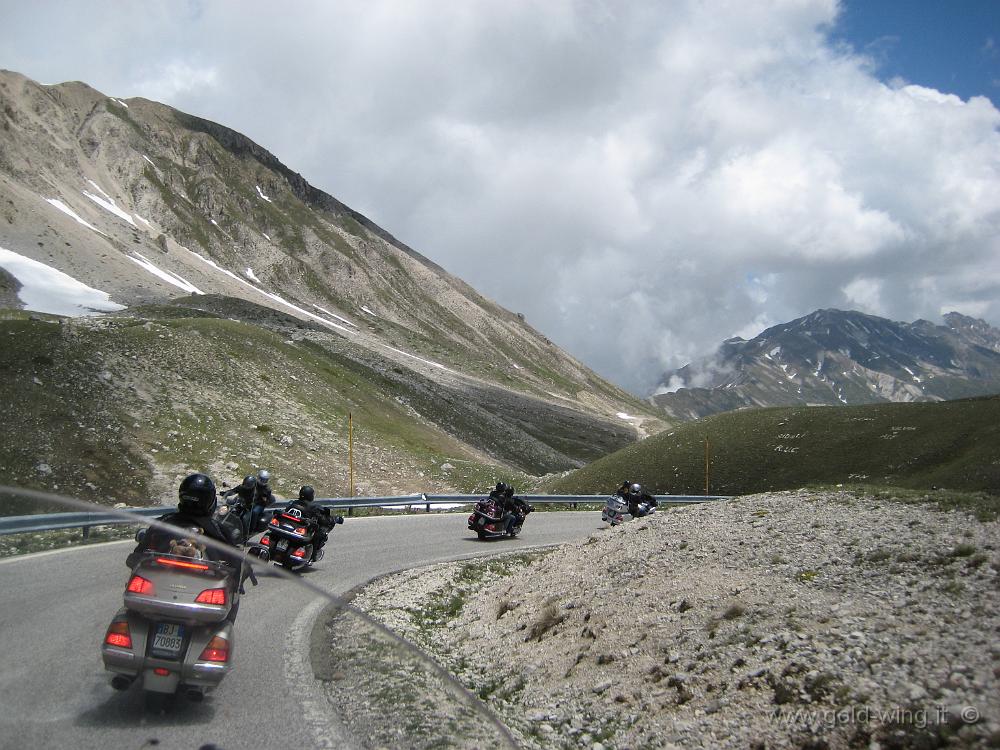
<point>129,709</point>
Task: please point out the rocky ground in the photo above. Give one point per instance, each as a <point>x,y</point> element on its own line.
<point>782,620</point>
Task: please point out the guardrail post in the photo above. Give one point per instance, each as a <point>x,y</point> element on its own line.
<point>86,533</point>
<point>428,506</point>
<point>574,506</point>
<point>350,511</point>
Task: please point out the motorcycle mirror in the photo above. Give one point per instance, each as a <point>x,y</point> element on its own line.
<point>140,535</point>
<point>339,519</point>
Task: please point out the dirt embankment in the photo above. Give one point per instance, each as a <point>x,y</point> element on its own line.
<point>783,620</point>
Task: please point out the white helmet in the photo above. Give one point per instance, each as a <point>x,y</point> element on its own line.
<point>263,477</point>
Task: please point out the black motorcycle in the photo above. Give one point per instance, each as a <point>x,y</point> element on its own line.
<point>488,521</point>
<point>289,539</point>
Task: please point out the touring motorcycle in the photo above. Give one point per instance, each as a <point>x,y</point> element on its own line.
<point>616,510</point>
<point>487,520</point>
<point>175,630</point>
<point>289,539</point>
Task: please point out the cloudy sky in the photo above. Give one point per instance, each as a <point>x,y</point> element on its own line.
<point>641,179</point>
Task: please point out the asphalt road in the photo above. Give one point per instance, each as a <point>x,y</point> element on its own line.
<point>55,606</point>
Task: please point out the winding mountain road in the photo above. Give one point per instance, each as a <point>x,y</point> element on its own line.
<point>54,607</point>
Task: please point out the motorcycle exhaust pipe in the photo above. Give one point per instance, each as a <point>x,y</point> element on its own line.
<point>121,682</point>
<point>195,696</point>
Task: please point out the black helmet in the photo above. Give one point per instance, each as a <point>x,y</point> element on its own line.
<point>501,488</point>
<point>509,492</point>
<point>249,481</point>
<point>197,495</point>
<point>635,489</point>
<point>306,493</point>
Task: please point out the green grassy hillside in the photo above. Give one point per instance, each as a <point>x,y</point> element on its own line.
<point>952,444</point>
<point>119,408</point>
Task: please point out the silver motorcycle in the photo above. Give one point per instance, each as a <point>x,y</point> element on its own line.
<point>175,632</point>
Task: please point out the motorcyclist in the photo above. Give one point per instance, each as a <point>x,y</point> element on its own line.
<point>308,509</point>
<point>636,497</point>
<point>246,491</point>
<point>196,506</point>
<point>514,508</point>
<point>262,498</point>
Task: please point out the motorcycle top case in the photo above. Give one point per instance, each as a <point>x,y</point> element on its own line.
<point>171,585</point>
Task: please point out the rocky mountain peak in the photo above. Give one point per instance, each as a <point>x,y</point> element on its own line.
<point>839,356</point>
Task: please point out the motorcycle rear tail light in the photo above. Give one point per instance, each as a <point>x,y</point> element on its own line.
<point>118,635</point>
<point>139,585</point>
<point>161,672</point>
<point>181,564</point>
<point>212,596</point>
<point>265,541</point>
<point>274,521</point>
<point>301,530</point>
<point>300,552</point>
<point>216,650</point>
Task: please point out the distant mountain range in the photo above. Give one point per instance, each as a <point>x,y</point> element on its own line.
<point>838,357</point>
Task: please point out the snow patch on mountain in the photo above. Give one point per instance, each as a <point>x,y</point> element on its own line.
<point>419,359</point>
<point>71,213</point>
<point>334,315</point>
<point>250,275</point>
<point>269,295</point>
<point>168,276</point>
<point>365,309</point>
<point>261,194</point>
<point>108,204</point>
<point>48,290</point>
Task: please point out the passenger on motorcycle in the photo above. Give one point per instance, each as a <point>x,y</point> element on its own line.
<point>246,491</point>
<point>262,498</point>
<point>514,508</point>
<point>499,492</point>
<point>321,515</point>
<point>637,497</point>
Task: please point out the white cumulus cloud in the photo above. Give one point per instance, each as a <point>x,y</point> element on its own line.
<point>616,172</point>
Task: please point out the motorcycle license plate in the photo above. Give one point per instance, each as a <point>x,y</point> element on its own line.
<point>168,639</point>
<point>282,545</point>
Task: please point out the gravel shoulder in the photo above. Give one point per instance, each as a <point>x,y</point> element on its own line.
<point>781,620</point>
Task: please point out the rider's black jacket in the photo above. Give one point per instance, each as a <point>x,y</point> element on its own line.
<point>246,494</point>
<point>514,504</point>
<point>159,539</point>
<point>635,500</point>
<point>263,496</point>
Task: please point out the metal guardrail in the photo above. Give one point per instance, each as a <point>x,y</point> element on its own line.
<point>86,520</point>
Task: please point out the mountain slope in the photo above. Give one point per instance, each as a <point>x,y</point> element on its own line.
<point>178,218</point>
<point>833,357</point>
<point>952,444</point>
